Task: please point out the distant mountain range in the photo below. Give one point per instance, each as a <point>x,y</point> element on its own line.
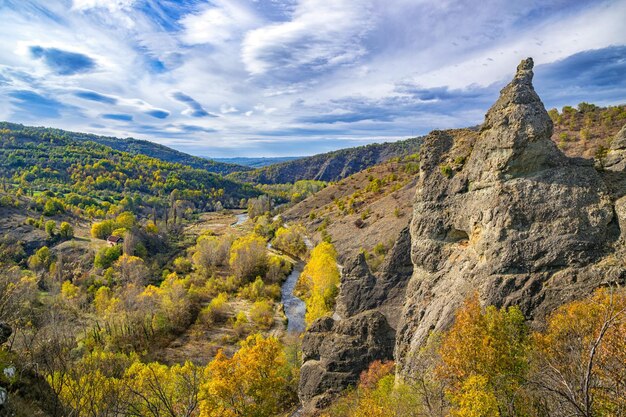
<point>135,147</point>
<point>257,162</point>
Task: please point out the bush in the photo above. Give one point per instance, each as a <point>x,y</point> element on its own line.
<point>262,314</point>
<point>66,231</point>
<point>107,256</point>
<point>216,311</point>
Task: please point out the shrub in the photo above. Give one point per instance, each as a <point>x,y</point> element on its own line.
<point>262,314</point>
<point>107,256</point>
<point>66,231</point>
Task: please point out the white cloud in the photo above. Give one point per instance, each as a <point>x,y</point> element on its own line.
<point>224,21</point>
<point>320,34</point>
<point>111,5</point>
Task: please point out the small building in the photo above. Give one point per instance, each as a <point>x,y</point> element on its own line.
<point>114,240</point>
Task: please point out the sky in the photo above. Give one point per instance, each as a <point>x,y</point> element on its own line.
<point>234,78</point>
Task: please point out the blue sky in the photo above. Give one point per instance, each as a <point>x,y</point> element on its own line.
<point>295,77</point>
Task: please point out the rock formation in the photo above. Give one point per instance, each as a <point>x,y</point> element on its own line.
<point>501,212</point>
<point>335,353</point>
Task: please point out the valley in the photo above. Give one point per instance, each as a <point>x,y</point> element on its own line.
<point>137,280</point>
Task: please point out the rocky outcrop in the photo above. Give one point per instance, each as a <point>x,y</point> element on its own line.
<point>335,352</point>
<point>518,222</point>
<point>361,290</point>
<point>501,212</point>
<point>615,159</point>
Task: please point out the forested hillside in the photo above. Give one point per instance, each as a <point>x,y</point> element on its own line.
<point>90,177</point>
<point>331,166</point>
<point>130,145</point>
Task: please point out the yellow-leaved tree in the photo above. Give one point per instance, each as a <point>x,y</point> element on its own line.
<point>484,361</point>
<point>580,360</point>
<point>256,381</point>
<point>318,284</point>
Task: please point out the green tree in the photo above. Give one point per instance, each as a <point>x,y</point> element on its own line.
<point>66,231</point>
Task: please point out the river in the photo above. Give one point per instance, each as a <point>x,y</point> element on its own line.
<point>293,306</point>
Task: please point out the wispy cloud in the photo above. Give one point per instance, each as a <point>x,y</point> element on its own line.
<point>195,109</point>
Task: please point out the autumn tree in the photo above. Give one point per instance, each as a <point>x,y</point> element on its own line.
<point>290,240</point>
<point>580,360</point>
<point>131,269</point>
<point>156,390</point>
<point>248,257</point>
<point>211,252</point>
<point>484,361</point>
<point>254,382</point>
<point>319,282</point>
<point>66,231</point>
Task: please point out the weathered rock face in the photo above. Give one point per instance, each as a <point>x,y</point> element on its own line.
<point>518,222</point>
<point>336,352</point>
<point>615,159</point>
<point>361,290</point>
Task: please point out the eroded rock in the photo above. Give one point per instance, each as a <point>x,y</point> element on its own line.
<point>519,222</point>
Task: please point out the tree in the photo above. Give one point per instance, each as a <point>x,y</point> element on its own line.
<point>157,390</point>
<point>290,240</point>
<point>103,229</point>
<point>107,255</point>
<point>248,257</point>
<point>580,360</point>
<point>318,284</point>
<point>254,382</point>
<point>211,252</point>
<point>484,356</point>
<point>258,206</point>
<point>66,231</point>
<point>41,260</point>
<point>50,228</point>
<point>131,269</point>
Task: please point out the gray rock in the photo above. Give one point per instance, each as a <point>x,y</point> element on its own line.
<point>336,352</point>
<point>519,222</point>
<point>615,159</point>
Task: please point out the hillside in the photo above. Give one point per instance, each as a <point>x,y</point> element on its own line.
<point>331,166</point>
<point>587,130</point>
<point>130,145</point>
<point>92,177</point>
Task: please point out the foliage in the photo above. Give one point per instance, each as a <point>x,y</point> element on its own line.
<point>262,314</point>
<point>66,231</point>
<point>290,240</point>
<point>486,351</point>
<point>254,382</point>
<point>319,281</point>
<point>248,257</point>
<point>107,255</point>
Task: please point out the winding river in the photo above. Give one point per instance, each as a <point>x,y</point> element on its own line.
<point>293,306</point>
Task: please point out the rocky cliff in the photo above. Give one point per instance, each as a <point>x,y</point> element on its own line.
<point>502,212</point>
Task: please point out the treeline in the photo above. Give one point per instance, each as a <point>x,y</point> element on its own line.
<point>490,364</point>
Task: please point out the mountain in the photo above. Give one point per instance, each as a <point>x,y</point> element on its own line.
<point>257,162</point>
<point>331,166</point>
<point>132,146</point>
<point>502,213</point>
